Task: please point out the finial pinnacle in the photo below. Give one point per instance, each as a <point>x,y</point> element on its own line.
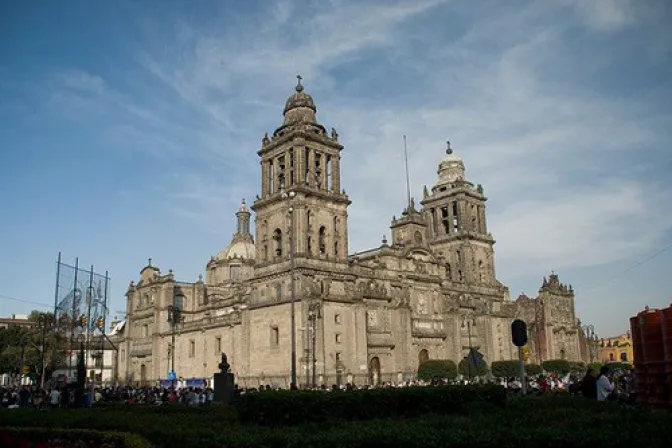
<point>449,150</point>
<point>299,87</point>
<point>243,201</point>
<point>149,262</point>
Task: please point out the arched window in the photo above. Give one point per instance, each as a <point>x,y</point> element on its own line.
<point>322,240</point>
<point>277,237</point>
<point>459,256</point>
<point>481,271</point>
<point>265,252</point>
<point>449,272</point>
<point>459,276</point>
<point>335,225</point>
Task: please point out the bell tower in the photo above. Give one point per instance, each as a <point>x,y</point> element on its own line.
<point>301,185</point>
<point>457,229</point>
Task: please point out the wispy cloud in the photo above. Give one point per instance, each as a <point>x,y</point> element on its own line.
<point>539,98</point>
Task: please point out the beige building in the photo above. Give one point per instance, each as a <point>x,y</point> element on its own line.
<point>430,292</point>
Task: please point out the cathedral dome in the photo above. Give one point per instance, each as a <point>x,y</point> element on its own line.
<point>300,107</point>
<point>242,250</point>
<point>299,99</point>
<point>451,167</point>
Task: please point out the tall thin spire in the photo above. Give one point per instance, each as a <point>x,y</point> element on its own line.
<point>408,177</point>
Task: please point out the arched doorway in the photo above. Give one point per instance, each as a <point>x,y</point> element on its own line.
<point>374,371</point>
<point>423,356</point>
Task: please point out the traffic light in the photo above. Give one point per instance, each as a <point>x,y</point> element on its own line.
<point>83,321</point>
<point>519,333</point>
<point>100,323</point>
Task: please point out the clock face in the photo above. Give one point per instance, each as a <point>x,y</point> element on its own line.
<point>418,237</point>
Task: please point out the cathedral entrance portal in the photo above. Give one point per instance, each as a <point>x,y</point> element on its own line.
<point>423,356</point>
<point>374,371</point>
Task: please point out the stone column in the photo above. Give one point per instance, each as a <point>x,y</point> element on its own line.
<point>481,219</point>
<point>451,218</point>
<point>299,165</point>
<point>325,172</point>
<point>336,173</point>
<point>311,167</point>
<point>276,177</point>
<point>264,179</point>
<point>461,215</point>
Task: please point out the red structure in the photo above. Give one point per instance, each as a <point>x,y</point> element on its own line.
<point>652,346</point>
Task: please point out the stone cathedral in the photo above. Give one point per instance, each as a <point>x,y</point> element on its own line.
<point>430,292</point>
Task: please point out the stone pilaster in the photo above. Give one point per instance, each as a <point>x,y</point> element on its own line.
<point>336,174</point>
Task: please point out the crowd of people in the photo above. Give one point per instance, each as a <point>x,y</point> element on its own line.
<point>602,386</point>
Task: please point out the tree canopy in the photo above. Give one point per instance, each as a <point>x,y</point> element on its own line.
<point>16,340</point>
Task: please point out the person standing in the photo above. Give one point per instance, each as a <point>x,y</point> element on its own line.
<point>604,386</point>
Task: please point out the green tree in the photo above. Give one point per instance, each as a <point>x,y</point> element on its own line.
<point>437,369</point>
<point>31,341</point>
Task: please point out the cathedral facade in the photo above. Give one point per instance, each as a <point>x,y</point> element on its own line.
<point>430,292</point>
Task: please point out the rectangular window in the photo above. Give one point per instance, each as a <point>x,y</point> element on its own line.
<point>338,338</point>
<point>337,319</point>
<point>275,336</point>
<point>339,357</point>
<point>192,349</point>
<point>624,357</point>
<point>218,345</point>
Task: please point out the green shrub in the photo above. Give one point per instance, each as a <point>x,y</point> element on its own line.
<point>619,365</point>
<point>557,366</point>
<point>527,422</point>
<point>82,438</point>
<point>533,369</point>
<point>294,407</point>
<point>577,366</point>
<point>505,369</point>
<point>437,369</point>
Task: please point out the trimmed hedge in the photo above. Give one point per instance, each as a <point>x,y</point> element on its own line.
<point>437,369</point>
<point>480,370</point>
<point>505,368</point>
<point>533,369</point>
<point>525,422</point>
<point>67,438</point>
<point>276,408</point>
<point>557,366</point>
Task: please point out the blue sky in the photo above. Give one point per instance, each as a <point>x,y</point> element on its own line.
<point>129,130</point>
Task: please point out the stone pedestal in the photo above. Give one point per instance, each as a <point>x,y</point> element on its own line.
<point>224,382</point>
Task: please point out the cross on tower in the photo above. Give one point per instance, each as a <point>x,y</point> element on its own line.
<point>299,87</point>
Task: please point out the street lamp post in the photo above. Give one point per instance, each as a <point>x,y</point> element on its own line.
<point>591,338</point>
<point>291,195</point>
<point>174,316</point>
<point>314,313</point>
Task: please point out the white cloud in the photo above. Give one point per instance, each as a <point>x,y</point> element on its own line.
<point>555,156</point>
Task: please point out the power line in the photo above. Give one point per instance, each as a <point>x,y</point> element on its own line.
<point>647,259</point>
<point>24,301</point>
